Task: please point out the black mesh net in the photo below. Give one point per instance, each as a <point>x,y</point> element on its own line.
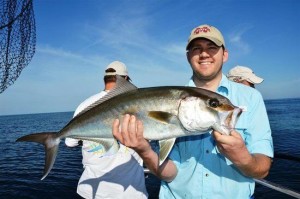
<point>17,39</point>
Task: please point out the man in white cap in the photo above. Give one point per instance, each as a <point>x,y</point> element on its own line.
<point>210,165</point>
<point>244,75</point>
<point>120,175</point>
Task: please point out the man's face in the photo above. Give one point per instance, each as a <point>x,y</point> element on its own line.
<point>206,58</point>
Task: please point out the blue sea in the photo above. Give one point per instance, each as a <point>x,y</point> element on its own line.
<point>21,164</point>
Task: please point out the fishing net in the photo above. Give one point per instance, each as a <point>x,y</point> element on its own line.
<point>17,39</point>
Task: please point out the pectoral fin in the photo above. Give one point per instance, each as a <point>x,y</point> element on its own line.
<point>164,117</point>
<point>165,148</point>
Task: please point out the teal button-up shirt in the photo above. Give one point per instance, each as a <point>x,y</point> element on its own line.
<point>205,173</point>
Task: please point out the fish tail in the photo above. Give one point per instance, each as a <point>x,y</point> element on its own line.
<point>50,140</point>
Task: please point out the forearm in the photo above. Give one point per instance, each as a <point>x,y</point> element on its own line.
<point>254,165</point>
<point>167,171</point>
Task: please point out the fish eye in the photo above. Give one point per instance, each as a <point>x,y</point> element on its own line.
<point>214,103</point>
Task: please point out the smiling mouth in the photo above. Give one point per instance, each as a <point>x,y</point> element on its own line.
<point>205,63</point>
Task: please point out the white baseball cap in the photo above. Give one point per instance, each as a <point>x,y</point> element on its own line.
<point>119,67</point>
<point>244,73</point>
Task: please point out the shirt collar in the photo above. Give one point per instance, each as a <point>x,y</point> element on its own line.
<point>222,88</point>
<point>224,85</point>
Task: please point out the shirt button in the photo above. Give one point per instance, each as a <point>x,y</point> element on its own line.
<point>207,151</point>
<point>206,175</point>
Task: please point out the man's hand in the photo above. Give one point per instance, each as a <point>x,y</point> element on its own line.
<point>233,147</point>
<point>130,133</point>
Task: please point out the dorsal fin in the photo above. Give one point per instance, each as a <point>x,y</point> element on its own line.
<point>122,86</point>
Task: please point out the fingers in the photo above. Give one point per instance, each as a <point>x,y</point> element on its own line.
<point>221,139</point>
<point>140,130</point>
<point>226,139</point>
<point>128,130</point>
<point>124,129</point>
<point>235,134</point>
<point>116,131</point>
<point>132,128</point>
<point>229,145</point>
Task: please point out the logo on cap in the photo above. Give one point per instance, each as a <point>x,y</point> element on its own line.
<point>202,29</point>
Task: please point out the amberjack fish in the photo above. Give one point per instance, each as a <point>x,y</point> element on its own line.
<point>167,112</point>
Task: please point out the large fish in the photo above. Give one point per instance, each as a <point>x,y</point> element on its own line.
<point>166,112</point>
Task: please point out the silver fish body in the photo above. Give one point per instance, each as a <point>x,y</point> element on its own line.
<point>166,113</point>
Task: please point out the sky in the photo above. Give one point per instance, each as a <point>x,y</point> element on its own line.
<point>77,39</point>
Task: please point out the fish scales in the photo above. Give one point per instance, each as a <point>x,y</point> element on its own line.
<point>139,103</point>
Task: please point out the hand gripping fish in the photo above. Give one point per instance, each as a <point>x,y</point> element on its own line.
<point>166,112</point>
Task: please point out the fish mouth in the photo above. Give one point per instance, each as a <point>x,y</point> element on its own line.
<point>227,120</point>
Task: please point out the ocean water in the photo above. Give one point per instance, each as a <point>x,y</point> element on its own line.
<point>21,164</point>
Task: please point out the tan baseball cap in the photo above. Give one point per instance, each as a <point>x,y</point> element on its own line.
<point>208,32</point>
<point>244,73</point>
<point>119,67</point>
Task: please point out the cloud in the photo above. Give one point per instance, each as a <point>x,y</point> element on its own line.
<point>237,41</point>
<point>175,49</point>
<point>66,55</point>
<point>119,28</point>
<point>128,35</point>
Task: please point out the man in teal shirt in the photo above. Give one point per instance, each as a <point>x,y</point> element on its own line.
<point>200,164</point>
<point>210,165</point>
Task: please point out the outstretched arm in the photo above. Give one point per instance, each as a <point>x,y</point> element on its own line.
<point>233,147</point>
<point>130,133</point>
